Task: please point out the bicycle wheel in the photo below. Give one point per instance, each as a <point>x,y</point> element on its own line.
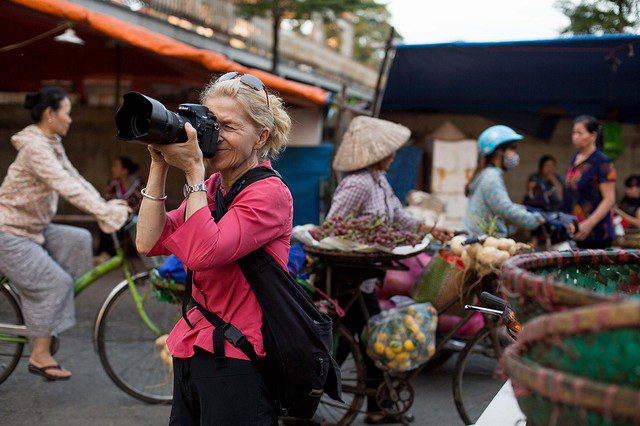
<point>474,380</point>
<point>11,346</point>
<point>348,356</point>
<point>126,345</point>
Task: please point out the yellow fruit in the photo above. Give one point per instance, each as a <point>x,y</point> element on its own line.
<point>409,321</point>
<point>408,345</point>
<point>389,353</point>
<point>411,310</point>
<point>396,346</point>
<point>421,337</point>
<point>402,356</point>
<point>405,366</point>
<point>392,364</point>
<point>379,348</point>
<point>382,337</point>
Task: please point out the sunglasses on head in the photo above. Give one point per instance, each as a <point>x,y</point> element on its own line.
<point>248,80</point>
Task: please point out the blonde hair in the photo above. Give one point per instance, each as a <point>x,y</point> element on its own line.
<point>273,117</point>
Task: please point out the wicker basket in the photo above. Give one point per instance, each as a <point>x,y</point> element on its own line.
<point>555,281</point>
<point>579,367</point>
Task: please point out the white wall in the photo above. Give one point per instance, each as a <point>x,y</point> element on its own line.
<point>306,126</point>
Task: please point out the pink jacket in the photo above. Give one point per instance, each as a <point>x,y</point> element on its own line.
<point>260,216</point>
<point>41,171</point>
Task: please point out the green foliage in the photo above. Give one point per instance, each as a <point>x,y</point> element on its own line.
<point>300,9</point>
<point>371,21</point>
<point>600,16</point>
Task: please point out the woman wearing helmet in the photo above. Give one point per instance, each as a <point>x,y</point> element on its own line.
<point>488,196</point>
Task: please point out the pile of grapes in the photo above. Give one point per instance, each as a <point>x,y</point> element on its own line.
<point>370,230</point>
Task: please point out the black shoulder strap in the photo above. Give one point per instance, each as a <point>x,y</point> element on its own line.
<point>224,330</point>
<point>253,175</point>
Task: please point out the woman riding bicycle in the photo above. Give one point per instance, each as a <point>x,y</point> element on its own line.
<point>254,127</point>
<point>366,152</point>
<point>488,196</point>
<point>42,259</point>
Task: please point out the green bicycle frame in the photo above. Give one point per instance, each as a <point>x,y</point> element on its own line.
<point>102,269</point>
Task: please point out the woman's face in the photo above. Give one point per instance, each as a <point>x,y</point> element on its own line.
<point>239,139</point>
<point>117,171</point>
<point>581,137</point>
<point>633,191</point>
<point>548,167</point>
<point>386,162</point>
<point>59,121</point>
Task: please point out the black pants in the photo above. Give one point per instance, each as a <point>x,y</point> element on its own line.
<point>209,395</point>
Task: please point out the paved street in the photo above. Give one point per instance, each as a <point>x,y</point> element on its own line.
<point>90,398</point>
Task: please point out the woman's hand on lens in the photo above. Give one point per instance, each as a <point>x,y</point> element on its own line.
<point>184,156</point>
<point>156,156</point>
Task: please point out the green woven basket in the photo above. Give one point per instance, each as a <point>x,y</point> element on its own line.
<point>579,367</point>
<point>545,282</point>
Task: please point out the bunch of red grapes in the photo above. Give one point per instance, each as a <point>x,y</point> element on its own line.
<point>370,230</point>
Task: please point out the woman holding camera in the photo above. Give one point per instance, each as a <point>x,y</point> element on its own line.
<point>42,259</point>
<point>254,127</point>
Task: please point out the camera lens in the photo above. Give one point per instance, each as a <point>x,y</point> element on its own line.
<point>146,120</point>
<point>140,125</point>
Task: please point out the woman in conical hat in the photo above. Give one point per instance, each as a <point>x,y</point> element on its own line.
<point>367,150</point>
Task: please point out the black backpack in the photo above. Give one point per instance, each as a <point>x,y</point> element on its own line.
<point>299,366</point>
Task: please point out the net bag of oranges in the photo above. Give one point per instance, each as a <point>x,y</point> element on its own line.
<point>402,339</point>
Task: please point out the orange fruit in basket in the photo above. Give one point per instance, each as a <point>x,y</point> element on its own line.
<point>378,348</point>
<point>421,337</point>
<point>408,345</point>
<point>382,337</point>
<point>392,364</point>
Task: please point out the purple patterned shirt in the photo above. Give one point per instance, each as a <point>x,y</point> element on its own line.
<point>369,193</point>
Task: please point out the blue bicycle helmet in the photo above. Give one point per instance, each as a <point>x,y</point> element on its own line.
<point>495,136</point>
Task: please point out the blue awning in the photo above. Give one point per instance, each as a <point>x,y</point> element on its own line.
<point>561,77</point>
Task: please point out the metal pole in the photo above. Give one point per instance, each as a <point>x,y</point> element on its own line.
<point>118,48</point>
<point>375,107</point>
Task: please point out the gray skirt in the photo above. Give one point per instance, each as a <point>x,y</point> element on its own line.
<point>44,275</point>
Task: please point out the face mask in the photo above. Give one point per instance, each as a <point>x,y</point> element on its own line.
<point>511,161</point>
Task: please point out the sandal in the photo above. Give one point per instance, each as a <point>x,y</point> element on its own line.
<point>42,371</point>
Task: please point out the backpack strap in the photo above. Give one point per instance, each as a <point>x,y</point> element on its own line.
<point>224,330</point>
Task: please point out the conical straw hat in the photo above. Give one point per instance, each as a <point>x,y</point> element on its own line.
<point>367,141</point>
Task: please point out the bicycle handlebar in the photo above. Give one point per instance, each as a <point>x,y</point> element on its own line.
<point>492,301</point>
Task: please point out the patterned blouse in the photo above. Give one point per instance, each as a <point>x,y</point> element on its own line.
<point>489,198</point>
<point>583,195</point>
<point>40,173</point>
<point>369,193</point>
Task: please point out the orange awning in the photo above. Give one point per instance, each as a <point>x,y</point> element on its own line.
<point>138,37</point>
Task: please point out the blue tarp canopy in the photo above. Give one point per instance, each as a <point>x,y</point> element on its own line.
<point>561,77</point>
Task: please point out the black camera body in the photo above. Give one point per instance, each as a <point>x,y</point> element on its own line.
<point>145,120</point>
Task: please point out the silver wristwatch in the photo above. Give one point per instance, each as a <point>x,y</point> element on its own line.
<point>187,189</point>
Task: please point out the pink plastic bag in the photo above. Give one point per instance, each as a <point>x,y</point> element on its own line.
<point>399,283</point>
<point>446,323</point>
